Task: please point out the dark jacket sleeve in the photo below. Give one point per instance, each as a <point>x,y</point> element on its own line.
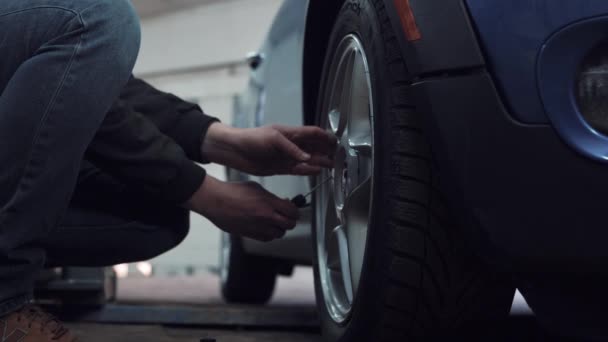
<point>182,121</point>
<point>149,139</point>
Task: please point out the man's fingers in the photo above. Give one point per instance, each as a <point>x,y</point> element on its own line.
<point>314,137</point>
<point>266,233</point>
<point>308,133</point>
<point>305,169</point>
<point>287,209</point>
<point>284,215</point>
<point>309,145</point>
<point>276,225</point>
<point>258,236</point>
<point>277,232</point>
<point>290,148</point>
<point>320,160</point>
<point>323,140</point>
<point>283,222</point>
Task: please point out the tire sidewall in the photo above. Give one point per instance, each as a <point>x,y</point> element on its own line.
<point>231,263</point>
<point>250,278</point>
<point>359,18</point>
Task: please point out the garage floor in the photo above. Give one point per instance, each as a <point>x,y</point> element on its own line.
<point>130,333</point>
<point>291,315</point>
<point>296,290</point>
<point>293,304</point>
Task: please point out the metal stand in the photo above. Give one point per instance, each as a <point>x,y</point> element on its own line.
<point>76,286</point>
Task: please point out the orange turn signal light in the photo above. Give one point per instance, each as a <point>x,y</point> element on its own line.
<point>408,22</point>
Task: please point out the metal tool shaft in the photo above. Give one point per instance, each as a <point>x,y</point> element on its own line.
<point>318,186</point>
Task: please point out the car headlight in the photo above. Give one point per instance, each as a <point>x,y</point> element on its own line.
<point>592,88</point>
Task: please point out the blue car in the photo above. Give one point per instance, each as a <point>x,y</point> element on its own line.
<point>472,160</point>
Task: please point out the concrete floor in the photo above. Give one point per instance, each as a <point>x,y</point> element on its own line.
<point>136,333</point>
<point>297,290</point>
<point>293,295</point>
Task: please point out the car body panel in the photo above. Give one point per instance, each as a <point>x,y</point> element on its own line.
<point>513,33</point>
<point>447,39</point>
<point>531,203</point>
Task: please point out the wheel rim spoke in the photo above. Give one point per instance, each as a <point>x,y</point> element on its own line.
<point>334,122</point>
<point>341,93</point>
<point>359,126</point>
<point>346,75</point>
<point>338,259</point>
<point>356,213</point>
<point>362,143</point>
<point>331,217</point>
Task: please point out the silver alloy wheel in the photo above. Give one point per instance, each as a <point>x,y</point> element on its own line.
<point>225,257</point>
<point>343,205</point>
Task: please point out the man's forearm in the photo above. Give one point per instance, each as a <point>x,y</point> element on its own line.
<point>221,144</point>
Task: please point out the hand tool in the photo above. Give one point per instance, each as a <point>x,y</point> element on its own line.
<point>300,200</point>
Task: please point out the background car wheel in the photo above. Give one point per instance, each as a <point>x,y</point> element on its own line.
<point>389,263</point>
<point>245,278</point>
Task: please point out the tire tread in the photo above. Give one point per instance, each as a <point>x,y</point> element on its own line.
<point>426,258</point>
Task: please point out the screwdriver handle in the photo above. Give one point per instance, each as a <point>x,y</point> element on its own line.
<point>300,201</point>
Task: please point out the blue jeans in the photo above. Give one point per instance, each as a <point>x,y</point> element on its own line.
<point>62,65</point>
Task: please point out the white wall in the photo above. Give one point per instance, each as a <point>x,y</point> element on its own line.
<point>213,34</point>
<point>198,54</point>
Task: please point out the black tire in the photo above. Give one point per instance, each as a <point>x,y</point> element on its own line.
<point>419,280</point>
<point>248,279</point>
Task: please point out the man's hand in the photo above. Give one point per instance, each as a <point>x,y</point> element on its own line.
<point>244,209</point>
<point>270,150</point>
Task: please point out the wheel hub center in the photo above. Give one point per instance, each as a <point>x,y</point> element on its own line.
<point>345,173</point>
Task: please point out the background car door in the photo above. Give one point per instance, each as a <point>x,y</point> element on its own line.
<point>279,83</point>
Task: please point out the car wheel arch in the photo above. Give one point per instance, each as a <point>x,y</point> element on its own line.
<point>319,23</point>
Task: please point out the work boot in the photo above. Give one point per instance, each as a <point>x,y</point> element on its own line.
<point>32,324</point>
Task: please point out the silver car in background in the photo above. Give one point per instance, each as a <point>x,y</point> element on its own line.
<point>249,268</point>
